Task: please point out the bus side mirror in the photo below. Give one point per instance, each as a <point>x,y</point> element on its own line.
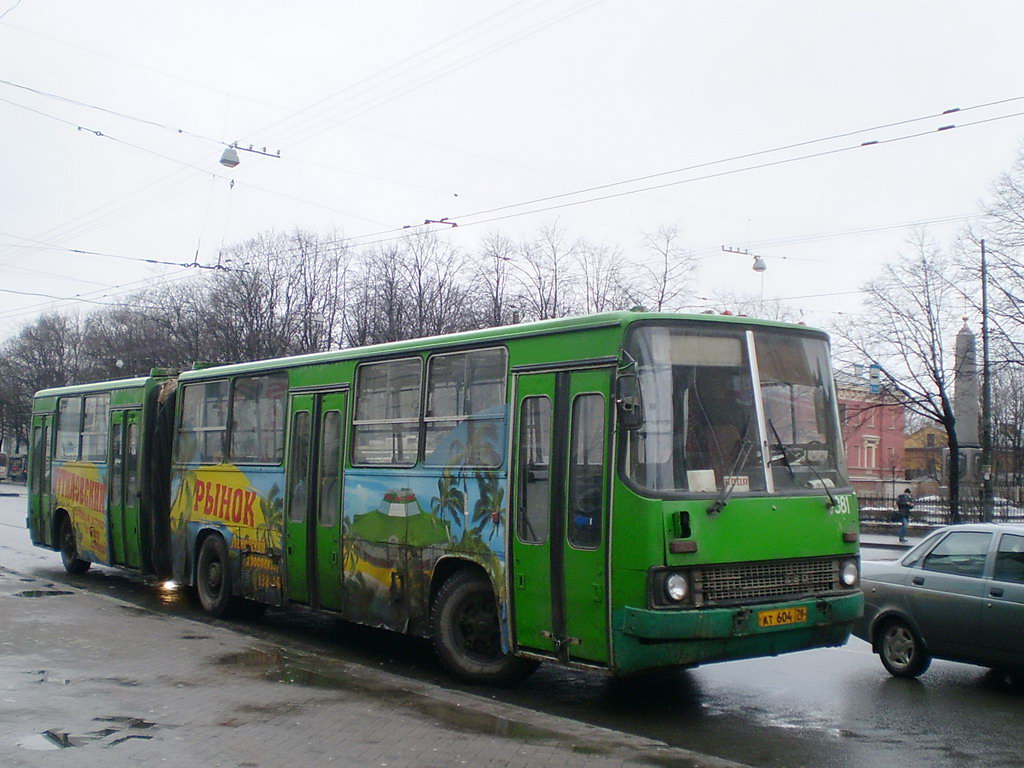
<point>627,398</point>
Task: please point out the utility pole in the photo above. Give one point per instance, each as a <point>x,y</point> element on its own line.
<point>986,398</point>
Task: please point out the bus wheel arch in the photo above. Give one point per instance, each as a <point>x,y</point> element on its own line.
<point>212,573</point>
<point>465,627</point>
<point>67,544</point>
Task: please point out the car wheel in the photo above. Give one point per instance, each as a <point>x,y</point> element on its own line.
<point>901,650</point>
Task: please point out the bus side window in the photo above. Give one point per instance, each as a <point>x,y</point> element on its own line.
<point>330,462</point>
<point>586,471</point>
<point>534,470</point>
<point>386,427</point>
<point>132,465</point>
<point>298,470</point>
<point>39,458</point>
<point>95,422</point>
<point>204,408</point>
<point>258,407</point>
<point>69,425</point>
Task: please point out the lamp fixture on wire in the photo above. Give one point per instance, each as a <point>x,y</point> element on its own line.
<point>229,158</point>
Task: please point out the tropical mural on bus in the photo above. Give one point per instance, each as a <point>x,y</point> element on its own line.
<point>80,487</point>
<point>246,507</point>
<point>398,524</point>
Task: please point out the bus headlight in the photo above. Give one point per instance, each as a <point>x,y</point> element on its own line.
<point>676,587</point>
<point>849,573</point>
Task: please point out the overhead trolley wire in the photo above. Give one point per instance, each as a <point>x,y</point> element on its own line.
<point>758,153</point>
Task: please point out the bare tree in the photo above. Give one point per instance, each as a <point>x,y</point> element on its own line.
<point>664,279</point>
<point>544,274</point>
<point>249,309</point>
<point>494,281</point>
<point>906,328</point>
<point>1008,425</point>
<point>123,340</point>
<point>319,273</point>
<point>602,278</point>
<point>44,353</point>
<point>1003,231</point>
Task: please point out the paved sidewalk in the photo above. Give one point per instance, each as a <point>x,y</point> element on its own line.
<point>885,541</point>
<point>87,679</point>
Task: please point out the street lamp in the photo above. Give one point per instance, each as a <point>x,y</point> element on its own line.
<point>230,157</point>
<point>987,480</point>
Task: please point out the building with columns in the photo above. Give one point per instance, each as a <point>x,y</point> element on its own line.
<point>872,422</point>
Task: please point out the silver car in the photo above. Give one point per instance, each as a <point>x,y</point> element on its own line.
<point>958,595</point>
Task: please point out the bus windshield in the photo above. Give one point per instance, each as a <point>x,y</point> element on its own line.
<point>706,426</point>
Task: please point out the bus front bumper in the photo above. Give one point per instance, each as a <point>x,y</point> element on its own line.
<point>646,638</point>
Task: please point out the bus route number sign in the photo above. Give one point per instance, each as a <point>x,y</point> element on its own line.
<point>781,617</point>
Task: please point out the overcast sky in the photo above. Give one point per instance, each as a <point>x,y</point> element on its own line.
<point>390,113</point>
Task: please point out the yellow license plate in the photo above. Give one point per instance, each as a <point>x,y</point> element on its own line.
<point>782,616</point>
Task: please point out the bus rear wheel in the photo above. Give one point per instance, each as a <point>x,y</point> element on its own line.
<point>69,549</point>
<point>467,634</point>
<point>213,576</point>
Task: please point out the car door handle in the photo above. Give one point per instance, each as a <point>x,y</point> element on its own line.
<point>919,580</point>
<point>996,591</point>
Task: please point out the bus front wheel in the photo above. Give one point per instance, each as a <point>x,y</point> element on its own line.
<point>69,549</point>
<point>467,635</point>
<point>213,576</point>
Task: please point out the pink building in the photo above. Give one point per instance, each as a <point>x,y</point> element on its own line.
<point>872,424</point>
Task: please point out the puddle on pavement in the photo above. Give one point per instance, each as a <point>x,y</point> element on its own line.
<point>126,722</point>
<point>38,742</point>
<point>43,678</point>
<point>42,593</point>
<point>276,666</point>
<point>53,739</point>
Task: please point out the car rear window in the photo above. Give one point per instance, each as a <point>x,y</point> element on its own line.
<point>1010,559</point>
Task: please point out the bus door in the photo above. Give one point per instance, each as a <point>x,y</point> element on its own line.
<point>39,478</point>
<point>123,487</point>
<point>560,514</point>
<point>313,515</point>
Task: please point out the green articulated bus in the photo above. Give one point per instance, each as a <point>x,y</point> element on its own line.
<point>623,491</point>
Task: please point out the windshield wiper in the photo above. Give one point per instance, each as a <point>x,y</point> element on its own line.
<point>782,449</point>
<point>746,445</point>
<point>785,461</point>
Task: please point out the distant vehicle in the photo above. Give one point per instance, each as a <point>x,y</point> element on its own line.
<point>958,595</point>
<point>17,467</point>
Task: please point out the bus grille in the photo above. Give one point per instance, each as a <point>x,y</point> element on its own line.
<point>747,582</point>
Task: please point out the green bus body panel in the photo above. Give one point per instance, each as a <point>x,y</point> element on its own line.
<point>297,551</point>
<point>537,343</point>
<point>531,567</point>
<point>647,639</point>
<point>106,533</point>
<point>561,590</point>
<point>116,486</point>
<point>328,534</point>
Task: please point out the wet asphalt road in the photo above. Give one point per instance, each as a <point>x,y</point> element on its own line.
<point>831,707</point>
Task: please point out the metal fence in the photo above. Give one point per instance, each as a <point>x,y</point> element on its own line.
<point>935,510</point>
